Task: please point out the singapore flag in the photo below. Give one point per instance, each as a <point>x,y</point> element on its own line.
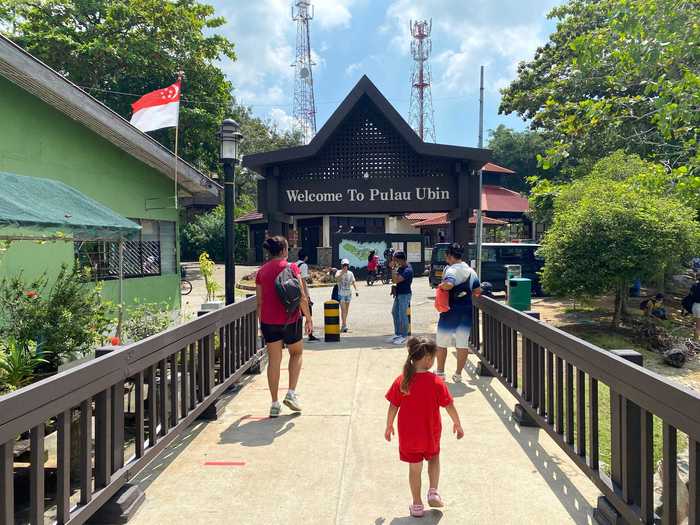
<point>157,109</point>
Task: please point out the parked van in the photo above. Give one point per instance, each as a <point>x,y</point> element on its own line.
<point>494,257</point>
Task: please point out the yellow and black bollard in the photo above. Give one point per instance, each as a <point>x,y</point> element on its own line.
<point>409,319</point>
<point>331,318</point>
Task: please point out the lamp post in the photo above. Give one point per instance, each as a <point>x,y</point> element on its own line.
<point>230,138</point>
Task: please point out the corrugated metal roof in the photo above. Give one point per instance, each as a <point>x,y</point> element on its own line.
<point>490,166</point>
<point>498,198</point>
<point>250,216</point>
<point>35,77</point>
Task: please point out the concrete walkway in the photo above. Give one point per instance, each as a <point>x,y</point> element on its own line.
<point>332,466</point>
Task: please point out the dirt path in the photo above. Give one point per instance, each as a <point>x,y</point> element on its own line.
<point>592,323</point>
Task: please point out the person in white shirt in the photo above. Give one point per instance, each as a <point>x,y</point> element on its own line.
<point>346,281</point>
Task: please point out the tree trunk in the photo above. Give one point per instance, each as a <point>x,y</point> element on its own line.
<point>620,305</point>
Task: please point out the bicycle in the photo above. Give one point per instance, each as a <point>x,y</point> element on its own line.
<point>371,278</point>
<point>185,285</point>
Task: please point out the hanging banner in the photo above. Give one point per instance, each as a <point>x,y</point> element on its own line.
<point>368,195</point>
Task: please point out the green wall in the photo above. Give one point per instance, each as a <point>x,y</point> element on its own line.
<point>39,141</point>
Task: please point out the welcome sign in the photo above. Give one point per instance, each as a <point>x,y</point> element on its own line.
<point>367,195</point>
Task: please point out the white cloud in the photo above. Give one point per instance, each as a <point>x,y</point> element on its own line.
<point>353,68</point>
<point>283,120</point>
<point>466,35</point>
<point>331,14</point>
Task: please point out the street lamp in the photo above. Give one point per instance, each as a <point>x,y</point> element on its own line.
<point>230,138</point>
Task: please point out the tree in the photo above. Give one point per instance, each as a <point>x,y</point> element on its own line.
<point>120,49</point>
<point>519,151</point>
<point>612,227</point>
<point>617,74</point>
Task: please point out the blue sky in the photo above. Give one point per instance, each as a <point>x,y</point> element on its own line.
<point>350,38</point>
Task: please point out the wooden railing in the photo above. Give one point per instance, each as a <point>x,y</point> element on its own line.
<point>558,378</point>
<point>171,378</point>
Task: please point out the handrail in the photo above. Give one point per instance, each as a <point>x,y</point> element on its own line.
<point>176,374</point>
<point>556,376</point>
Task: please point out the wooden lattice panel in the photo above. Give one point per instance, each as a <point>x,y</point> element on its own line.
<point>366,143</point>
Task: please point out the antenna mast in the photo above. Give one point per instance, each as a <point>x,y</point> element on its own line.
<point>421,115</point>
<point>304,104</point>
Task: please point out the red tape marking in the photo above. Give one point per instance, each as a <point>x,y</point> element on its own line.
<point>224,463</point>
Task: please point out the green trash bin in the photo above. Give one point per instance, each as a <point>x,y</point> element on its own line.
<point>520,296</point>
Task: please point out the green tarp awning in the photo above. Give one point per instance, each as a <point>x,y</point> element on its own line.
<point>43,207</point>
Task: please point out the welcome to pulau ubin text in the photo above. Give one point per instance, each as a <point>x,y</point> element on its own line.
<point>371,195</point>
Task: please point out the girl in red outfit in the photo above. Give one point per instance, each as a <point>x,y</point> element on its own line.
<point>417,396</point>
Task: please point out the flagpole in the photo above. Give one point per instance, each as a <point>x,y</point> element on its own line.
<point>180,74</point>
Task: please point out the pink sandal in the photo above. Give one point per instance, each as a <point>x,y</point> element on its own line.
<point>417,511</point>
<point>434,499</point>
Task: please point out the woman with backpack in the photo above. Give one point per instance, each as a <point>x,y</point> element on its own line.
<point>281,301</point>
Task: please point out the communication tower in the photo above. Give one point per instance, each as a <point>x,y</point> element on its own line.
<point>421,115</point>
<point>304,105</point>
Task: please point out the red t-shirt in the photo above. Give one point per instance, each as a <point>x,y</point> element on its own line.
<point>272,310</point>
<point>373,263</point>
<point>420,424</point>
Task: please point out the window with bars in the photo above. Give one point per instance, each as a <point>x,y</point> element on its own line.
<point>152,253</point>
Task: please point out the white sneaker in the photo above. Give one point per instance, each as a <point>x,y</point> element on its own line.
<point>391,339</point>
<point>400,340</point>
<point>292,402</point>
<point>457,378</point>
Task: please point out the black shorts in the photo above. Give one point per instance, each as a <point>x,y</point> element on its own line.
<point>289,333</point>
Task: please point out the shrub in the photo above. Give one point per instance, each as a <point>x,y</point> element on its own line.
<point>146,319</point>
<point>207,267</point>
<point>66,320</point>
<point>205,233</point>
<point>18,364</point>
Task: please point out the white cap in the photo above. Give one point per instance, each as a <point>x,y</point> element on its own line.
<point>345,261</point>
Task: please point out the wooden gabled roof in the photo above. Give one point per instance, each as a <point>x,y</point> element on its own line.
<point>475,156</point>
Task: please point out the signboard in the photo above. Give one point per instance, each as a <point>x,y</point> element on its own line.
<point>356,251</point>
<point>413,250</point>
<point>368,195</point>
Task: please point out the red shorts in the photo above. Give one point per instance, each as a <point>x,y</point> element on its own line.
<point>417,457</point>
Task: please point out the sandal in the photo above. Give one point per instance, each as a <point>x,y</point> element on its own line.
<point>417,511</point>
<point>434,499</point>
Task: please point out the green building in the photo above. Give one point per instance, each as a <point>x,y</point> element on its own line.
<point>50,128</point>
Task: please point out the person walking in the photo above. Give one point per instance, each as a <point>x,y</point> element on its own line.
<point>303,265</point>
<point>372,267</point>
<point>277,326</point>
<point>346,281</point>
<point>416,396</point>
<point>694,296</point>
<point>402,277</point>
<point>454,325</point>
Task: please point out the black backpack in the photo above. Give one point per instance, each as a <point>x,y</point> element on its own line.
<point>288,290</point>
<point>461,295</point>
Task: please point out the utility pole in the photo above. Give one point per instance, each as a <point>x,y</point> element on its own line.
<point>479,214</point>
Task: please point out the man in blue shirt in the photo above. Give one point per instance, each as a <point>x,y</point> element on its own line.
<point>402,278</point>
<point>455,325</point>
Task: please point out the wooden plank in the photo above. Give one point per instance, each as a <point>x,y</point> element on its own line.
<point>541,380</point>
<point>647,467</point>
<point>173,389</point>
<point>222,354</point>
<point>669,475</point>
<point>151,404</point>
<point>85,451</point>
<point>569,404</point>
<point>7,493</point>
<point>103,438</point>
<point>200,371</point>
<point>140,426</point>
<point>593,449</point>
<point>163,397</point>
<point>36,475</point>
<point>694,485</point>
<point>63,468</point>
<point>117,426</point>
<point>514,343</point>
<point>560,395</point>
<point>184,382</point>
<point>193,376</point>
<point>580,413</point>
<point>550,387</point>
